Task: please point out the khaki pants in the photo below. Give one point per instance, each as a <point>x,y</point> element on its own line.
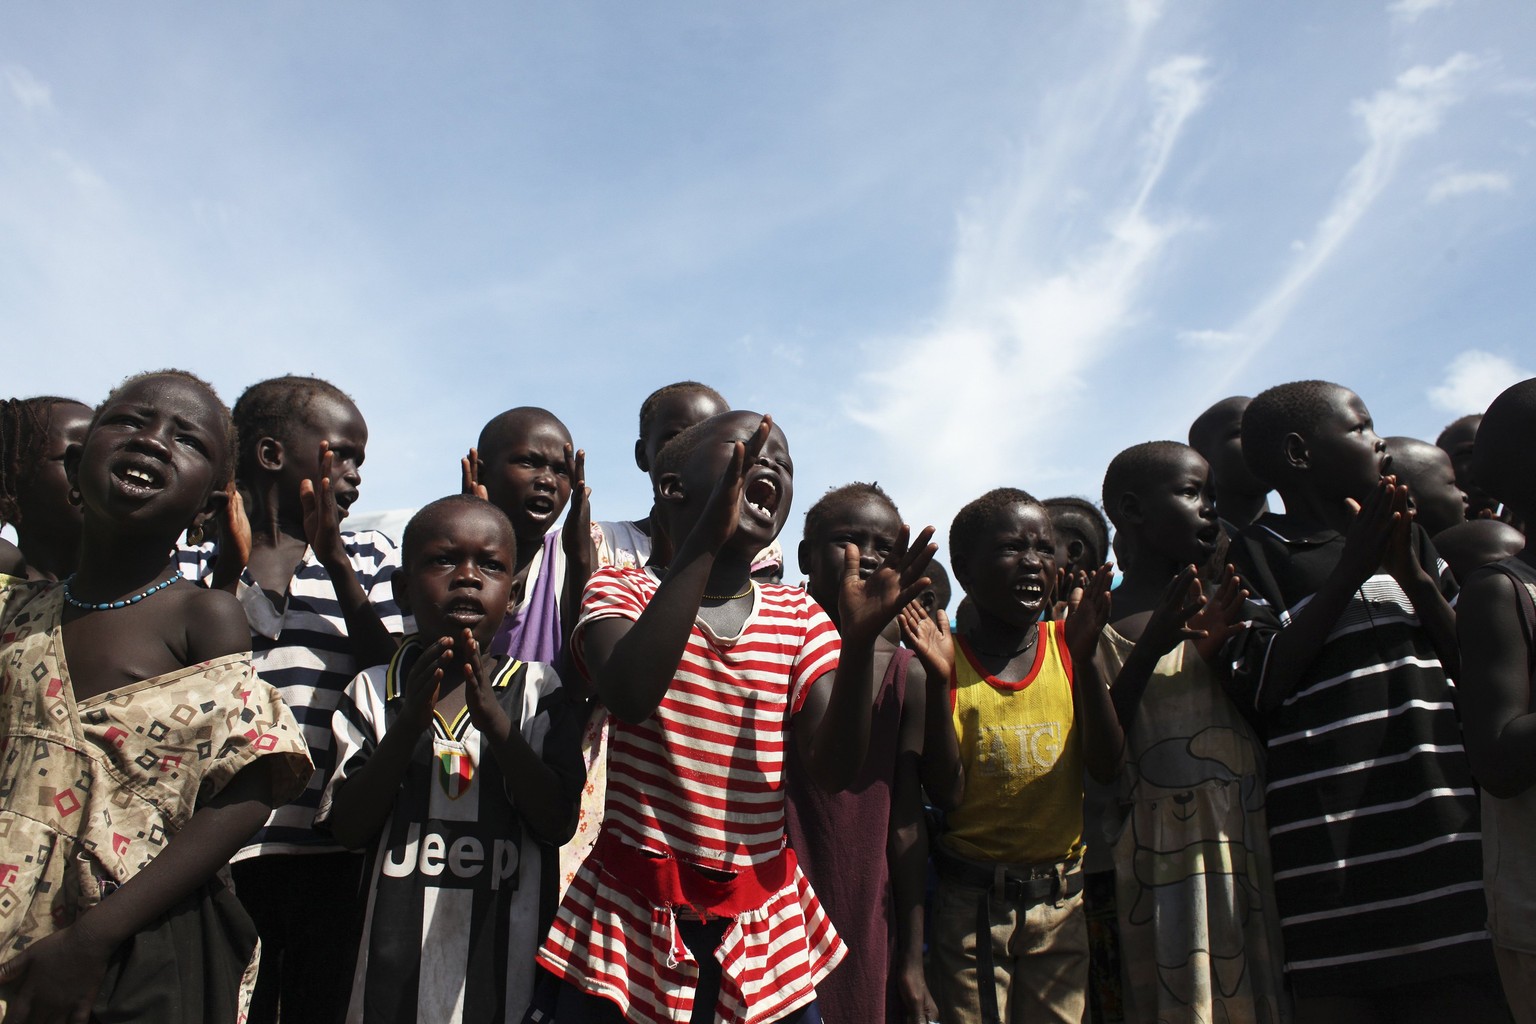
<point>1039,957</point>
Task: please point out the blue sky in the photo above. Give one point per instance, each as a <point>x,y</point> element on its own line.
<point>948,246</point>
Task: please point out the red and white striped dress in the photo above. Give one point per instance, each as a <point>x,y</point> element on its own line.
<point>702,780</point>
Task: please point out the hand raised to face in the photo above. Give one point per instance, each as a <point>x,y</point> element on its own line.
<point>865,606</point>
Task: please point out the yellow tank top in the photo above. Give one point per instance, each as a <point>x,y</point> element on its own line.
<point>1023,760</point>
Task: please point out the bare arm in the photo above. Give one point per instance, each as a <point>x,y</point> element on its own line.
<point>576,540</point>
<point>372,643</point>
<point>907,851</point>
<point>1495,690</point>
<point>1092,706</point>
<point>1165,630</point>
<point>58,977</point>
<point>942,771</point>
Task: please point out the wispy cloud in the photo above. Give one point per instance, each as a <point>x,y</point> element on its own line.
<point>1473,380</point>
<point>1461,183</point>
<point>26,88</point>
<point>1406,12</point>
<point>1035,301</point>
<point>1412,107</point>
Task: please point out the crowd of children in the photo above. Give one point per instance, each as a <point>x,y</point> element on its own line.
<point>525,766</point>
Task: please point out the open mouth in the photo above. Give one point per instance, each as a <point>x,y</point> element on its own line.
<point>1029,591</point>
<point>540,506</point>
<point>462,611</point>
<point>762,497</point>
<point>344,500</point>
<point>139,479</point>
<point>1209,535</point>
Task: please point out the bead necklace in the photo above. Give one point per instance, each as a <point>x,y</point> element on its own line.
<point>728,597</point>
<point>106,606</point>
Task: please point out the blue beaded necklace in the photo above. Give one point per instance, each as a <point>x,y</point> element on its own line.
<point>106,606</point>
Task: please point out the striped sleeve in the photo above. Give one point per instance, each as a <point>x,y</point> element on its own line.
<point>611,593</point>
<point>376,558</point>
<point>357,728</point>
<point>818,654</point>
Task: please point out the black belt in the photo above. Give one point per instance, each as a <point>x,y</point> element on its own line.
<point>1041,883</point>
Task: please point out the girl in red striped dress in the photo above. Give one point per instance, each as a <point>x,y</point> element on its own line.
<point>691,907</point>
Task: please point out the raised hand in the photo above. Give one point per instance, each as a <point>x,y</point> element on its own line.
<point>1366,542</point>
<point>722,512</point>
<point>322,516</point>
<point>1400,558</point>
<point>1222,616</point>
<point>929,638</point>
<point>1172,622</point>
<point>1090,616</point>
<point>1069,588</point>
<point>425,680</point>
<point>469,475</point>
<point>865,606</point>
<point>234,541</point>
<point>576,537</point>
<point>485,711</point>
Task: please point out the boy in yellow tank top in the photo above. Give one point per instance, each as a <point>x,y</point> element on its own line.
<point>1027,713</point>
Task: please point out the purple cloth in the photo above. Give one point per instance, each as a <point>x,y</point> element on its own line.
<point>533,634</point>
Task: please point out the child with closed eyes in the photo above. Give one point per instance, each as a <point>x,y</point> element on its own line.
<point>140,749</point>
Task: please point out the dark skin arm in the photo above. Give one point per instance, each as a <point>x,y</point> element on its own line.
<point>576,541</point>
<point>234,541</point>
<point>363,801</point>
<point>1166,629</point>
<point>372,643</point>
<point>942,772</point>
<point>1495,688</point>
<point>907,851</point>
<point>1435,613</point>
<point>533,786</point>
<point>58,977</point>
<point>1294,648</point>
<point>1092,706</point>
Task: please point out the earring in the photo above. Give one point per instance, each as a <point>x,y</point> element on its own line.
<point>74,496</point>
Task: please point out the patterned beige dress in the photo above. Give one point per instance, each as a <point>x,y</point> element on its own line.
<point>91,793</point>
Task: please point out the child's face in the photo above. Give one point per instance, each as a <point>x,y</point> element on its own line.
<point>45,504</point>
<point>339,423</point>
<point>1012,566</point>
<point>1178,512</point>
<point>460,575</point>
<point>770,484</point>
<point>862,520</point>
<point>1222,445</point>
<point>154,454</point>
<point>527,477</point>
<point>1345,458</point>
<point>674,414</point>
<point>1438,504</point>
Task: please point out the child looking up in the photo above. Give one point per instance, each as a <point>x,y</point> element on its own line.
<point>319,608</point>
<point>1438,504</point>
<point>35,497</point>
<point>141,750</point>
<point>1496,622</point>
<point>461,770</point>
<point>865,848</point>
<point>1216,434</point>
<point>1199,936</point>
<point>691,906</point>
<point>526,465</point>
<point>1373,814</point>
<point>1016,715</point>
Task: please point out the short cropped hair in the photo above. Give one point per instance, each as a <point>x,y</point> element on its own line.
<point>1284,409</point>
<point>1082,515</point>
<point>498,429</point>
<point>977,515</point>
<point>224,468</point>
<point>1134,468</point>
<point>416,529</point>
<point>276,408</point>
<point>1502,459</point>
<point>1460,424</point>
<point>682,387</point>
<point>817,516</point>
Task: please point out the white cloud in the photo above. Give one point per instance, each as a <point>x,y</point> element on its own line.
<point>1406,12</point>
<point>1462,183</point>
<point>1039,291</point>
<point>1412,107</point>
<point>28,90</point>
<point>1473,380</point>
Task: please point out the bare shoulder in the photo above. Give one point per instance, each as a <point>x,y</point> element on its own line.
<point>215,623</point>
<point>12,561</point>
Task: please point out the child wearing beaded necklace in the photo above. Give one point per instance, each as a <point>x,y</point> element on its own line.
<point>141,750</point>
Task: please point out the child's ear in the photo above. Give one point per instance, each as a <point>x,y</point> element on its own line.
<point>1130,508</point>
<point>72,456</point>
<point>1075,549</point>
<point>398,588</point>
<point>803,556</point>
<point>960,568</point>
<point>1296,454</point>
<point>640,459</point>
<point>269,454</point>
